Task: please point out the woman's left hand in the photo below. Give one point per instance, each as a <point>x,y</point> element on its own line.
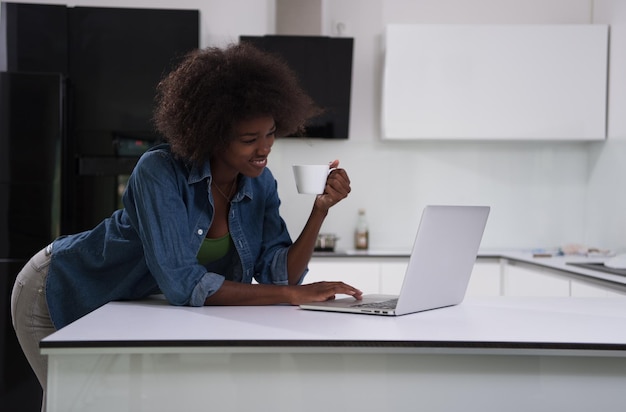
<point>337,188</point>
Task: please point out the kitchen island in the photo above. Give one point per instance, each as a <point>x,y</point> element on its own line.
<point>513,354</point>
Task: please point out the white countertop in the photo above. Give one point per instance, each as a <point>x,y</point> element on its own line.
<point>578,326</point>
<point>563,264</point>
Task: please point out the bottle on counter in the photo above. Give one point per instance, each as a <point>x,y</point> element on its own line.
<point>361,233</point>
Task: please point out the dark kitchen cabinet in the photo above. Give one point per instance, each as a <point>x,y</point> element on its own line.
<point>77,88</point>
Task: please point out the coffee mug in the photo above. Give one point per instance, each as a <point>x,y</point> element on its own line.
<point>311,179</point>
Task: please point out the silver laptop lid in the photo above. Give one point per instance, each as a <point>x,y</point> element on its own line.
<point>443,257</point>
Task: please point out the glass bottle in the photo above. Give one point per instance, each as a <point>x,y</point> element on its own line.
<point>361,233</point>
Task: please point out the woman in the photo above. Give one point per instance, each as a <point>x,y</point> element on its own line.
<point>201,213</point>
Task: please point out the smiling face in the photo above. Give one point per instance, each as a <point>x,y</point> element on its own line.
<point>247,152</point>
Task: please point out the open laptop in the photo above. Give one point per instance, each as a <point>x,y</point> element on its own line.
<point>439,268</point>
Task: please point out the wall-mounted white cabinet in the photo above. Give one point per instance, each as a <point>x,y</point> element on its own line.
<point>518,82</point>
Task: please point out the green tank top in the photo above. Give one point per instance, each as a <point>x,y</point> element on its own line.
<point>213,249</point>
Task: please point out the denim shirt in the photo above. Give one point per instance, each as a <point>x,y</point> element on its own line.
<point>150,245</point>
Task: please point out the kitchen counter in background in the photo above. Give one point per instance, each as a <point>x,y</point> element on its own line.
<point>497,272</point>
<point>566,265</point>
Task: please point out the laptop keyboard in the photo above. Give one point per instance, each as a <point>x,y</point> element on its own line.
<point>386,304</point>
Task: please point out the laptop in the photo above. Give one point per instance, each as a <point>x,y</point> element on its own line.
<point>439,268</point>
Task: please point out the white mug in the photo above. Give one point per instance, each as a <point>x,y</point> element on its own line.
<point>311,179</point>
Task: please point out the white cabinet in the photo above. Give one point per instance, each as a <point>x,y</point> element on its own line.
<point>386,274</point>
<point>363,274</point>
<point>527,282</point>
<point>392,275</point>
<point>490,277</point>
<point>586,289</point>
<point>486,279</point>
<point>522,280</point>
<point>495,81</point>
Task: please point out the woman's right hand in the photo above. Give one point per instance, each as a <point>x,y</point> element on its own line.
<point>322,291</point>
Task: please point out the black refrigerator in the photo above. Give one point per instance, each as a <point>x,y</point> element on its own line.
<point>31,137</point>
<point>77,88</point>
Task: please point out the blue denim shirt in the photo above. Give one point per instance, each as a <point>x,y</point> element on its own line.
<point>150,245</point>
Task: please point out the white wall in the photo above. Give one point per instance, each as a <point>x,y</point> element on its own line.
<point>542,194</point>
<point>606,182</point>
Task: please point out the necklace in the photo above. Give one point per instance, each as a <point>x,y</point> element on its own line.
<point>230,191</point>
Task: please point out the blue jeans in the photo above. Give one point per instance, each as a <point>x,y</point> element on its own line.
<point>29,312</point>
